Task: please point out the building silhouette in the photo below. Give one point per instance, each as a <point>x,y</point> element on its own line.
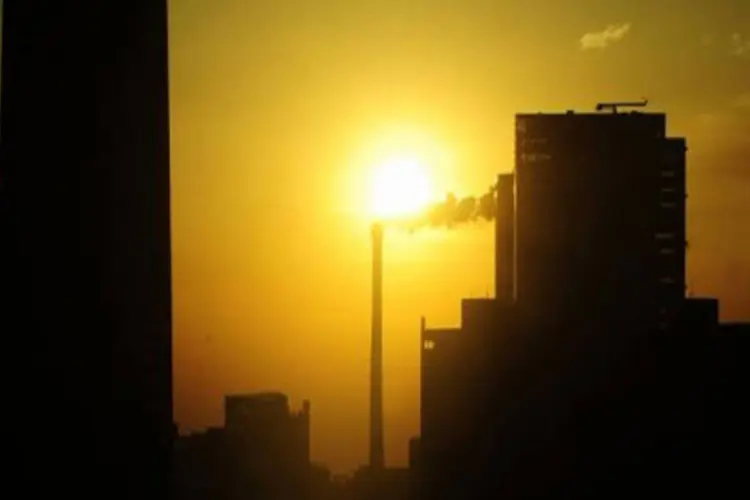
<point>600,206</point>
<point>387,483</point>
<point>590,374</point>
<point>85,253</point>
<point>262,451</point>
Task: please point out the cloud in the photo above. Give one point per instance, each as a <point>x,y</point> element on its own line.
<point>740,45</point>
<point>743,101</point>
<point>601,39</point>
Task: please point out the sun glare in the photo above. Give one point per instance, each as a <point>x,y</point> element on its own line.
<point>401,187</point>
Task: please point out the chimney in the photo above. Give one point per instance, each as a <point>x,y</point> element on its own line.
<point>377,453</point>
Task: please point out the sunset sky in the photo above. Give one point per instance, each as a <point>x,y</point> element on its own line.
<point>279,110</point>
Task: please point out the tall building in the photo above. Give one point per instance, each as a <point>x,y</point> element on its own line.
<point>85,253</point>
<point>600,216</point>
<point>597,374</point>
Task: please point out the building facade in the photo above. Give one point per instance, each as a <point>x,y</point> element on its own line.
<point>600,376</point>
<point>600,216</point>
<point>86,253</point>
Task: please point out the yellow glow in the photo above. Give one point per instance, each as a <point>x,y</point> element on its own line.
<point>401,186</point>
<point>394,170</point>
<point>272,186</point>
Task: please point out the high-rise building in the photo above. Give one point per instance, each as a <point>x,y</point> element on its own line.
<point>85,253</point>
<point>599,375</point>
<point>600,216</point>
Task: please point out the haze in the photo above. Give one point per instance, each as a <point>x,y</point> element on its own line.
<point>279,110</point>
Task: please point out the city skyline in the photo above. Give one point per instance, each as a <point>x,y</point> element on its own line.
<point>279,110</point>
<point>276,111</point>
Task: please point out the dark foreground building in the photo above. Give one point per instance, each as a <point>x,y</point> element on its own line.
<point>599,216</point>
<point>590,375</point>
<point>85,252</point>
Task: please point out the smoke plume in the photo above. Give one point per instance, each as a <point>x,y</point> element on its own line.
<point>451,212</point>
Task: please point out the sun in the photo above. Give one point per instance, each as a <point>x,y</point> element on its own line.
<point>400,187</point>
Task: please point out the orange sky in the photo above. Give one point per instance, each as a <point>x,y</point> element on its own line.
<point>280,106</point>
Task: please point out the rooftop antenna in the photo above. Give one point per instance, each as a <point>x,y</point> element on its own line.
<point>614,105</point>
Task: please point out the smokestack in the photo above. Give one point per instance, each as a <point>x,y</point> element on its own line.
<point>377,452</point>
<point>505,239</point>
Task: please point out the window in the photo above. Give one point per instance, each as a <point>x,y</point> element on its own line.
<point>665,236</point>
<point>535,157</point>
<point>537,140</point>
